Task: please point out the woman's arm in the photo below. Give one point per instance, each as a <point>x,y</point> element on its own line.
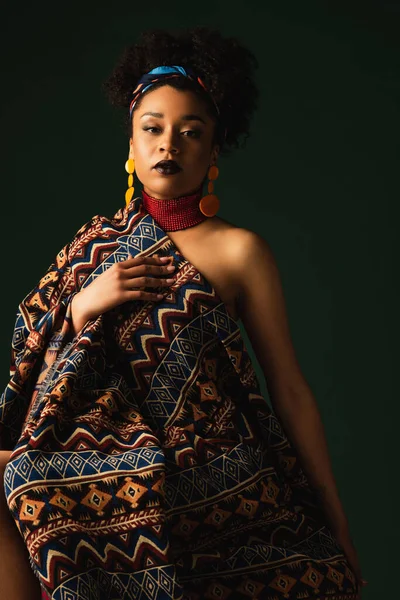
<point>263,313</point>
<point>78,319</point>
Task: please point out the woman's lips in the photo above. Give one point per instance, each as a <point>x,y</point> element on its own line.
<point>168,170</point>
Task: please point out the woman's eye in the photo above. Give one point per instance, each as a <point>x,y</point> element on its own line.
<point>195,133</point>
<point>188,133</point>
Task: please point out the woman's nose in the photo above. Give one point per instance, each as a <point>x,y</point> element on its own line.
<point>169,142</point>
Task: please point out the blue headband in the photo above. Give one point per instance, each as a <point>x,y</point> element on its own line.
<point>161,73</point>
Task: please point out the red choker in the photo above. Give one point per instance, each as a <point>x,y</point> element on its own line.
<point>175,213</point>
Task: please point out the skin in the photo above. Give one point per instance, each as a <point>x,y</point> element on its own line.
<point>241,267</point>
<point>17,580</point>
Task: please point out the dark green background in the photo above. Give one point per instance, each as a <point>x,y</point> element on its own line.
<point>318,179</point>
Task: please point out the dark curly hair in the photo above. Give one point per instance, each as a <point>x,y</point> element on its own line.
<point>225,66</point>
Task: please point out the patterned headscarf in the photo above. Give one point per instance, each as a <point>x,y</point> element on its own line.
<point>161,73</point>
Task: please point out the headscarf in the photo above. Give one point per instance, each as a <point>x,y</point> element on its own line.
<point>162,73</point>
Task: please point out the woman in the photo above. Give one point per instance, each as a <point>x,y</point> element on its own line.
<point>139,457</point>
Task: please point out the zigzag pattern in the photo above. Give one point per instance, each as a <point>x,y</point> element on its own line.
<point>147,464</point>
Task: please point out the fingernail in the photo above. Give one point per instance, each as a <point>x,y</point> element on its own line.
<point>164,258</point>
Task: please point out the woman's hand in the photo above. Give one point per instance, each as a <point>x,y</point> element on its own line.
<point>122,282</point>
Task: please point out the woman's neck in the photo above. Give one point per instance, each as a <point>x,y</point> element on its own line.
<point>174,214</point>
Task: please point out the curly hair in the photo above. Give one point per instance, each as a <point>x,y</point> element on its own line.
<point>225,66</point>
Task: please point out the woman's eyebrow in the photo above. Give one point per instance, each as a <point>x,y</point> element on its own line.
<point>190,117</point>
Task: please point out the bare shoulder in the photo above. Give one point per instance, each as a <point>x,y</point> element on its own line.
<point>245,257</point>
<point>262,309</point>
<point>239,238</point>
<point>244,250</point>
<point>247,243</point>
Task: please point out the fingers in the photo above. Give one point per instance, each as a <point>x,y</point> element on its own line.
<point>135,274</point>
<point>140,282</point>
<point>145,260</point>
<point>148,270</point>
<point>137,271</point>
<point>143,295</point>
<point>144,272</point>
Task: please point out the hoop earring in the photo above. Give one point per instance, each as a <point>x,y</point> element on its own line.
<point>129,168</point>
<point>209,204</point>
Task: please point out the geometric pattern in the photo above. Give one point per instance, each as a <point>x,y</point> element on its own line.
<point>146,463</point>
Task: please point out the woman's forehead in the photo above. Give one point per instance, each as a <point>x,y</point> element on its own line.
<point>166,100</point>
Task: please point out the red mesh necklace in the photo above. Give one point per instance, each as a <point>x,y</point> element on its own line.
<point>175,213</point>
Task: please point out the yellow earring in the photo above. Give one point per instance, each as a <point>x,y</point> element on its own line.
<point>209,204</point>
<point>129,168</point>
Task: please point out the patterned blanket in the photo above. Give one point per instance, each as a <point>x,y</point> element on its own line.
<point>146,463</point>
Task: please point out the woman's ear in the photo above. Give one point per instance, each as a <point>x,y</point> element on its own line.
<point>214,154</point>
<point>131,154</point>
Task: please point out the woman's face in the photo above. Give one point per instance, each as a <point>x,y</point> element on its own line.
<point>178,129</point>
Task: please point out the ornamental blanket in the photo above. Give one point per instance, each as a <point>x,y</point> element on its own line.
<point>146,464</point>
